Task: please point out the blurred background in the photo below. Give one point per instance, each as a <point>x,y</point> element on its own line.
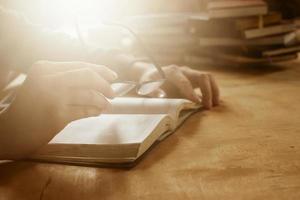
<point>178,31</point>
<point>60,14</point>
<point>57,13</point>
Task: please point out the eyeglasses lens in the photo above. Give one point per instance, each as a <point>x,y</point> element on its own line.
<point>121,89</point>
<point>149,87</point>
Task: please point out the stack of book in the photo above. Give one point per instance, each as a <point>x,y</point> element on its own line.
<point>228,32</point>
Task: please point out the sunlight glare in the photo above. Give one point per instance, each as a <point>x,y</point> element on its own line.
<point>65,11</point>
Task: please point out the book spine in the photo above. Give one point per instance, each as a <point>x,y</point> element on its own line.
<point>238,12</point>
<point>273,30</point>
<point>255,21</point>
<point>234,4</point>
<point>282,51</point>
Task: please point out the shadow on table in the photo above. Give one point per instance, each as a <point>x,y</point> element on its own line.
<point>164,148</point>
<point>32,180</point>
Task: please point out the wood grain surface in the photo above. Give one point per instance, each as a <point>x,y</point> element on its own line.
<point>247,148</point>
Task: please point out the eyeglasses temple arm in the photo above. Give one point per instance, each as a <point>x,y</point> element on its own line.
<point>153,60</point>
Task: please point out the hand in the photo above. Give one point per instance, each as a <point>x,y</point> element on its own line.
<point>182,82</point>
<point>54,94</point>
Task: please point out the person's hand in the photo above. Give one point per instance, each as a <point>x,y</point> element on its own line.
<point>182,82</point>
<point>54,94</point>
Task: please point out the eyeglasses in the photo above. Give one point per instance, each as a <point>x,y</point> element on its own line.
<point>122,88</point>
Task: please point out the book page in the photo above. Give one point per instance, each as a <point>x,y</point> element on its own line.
<point>109,129</point>
<point>128,105</point>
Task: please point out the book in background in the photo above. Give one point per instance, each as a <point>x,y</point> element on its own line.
<point>242,32</point>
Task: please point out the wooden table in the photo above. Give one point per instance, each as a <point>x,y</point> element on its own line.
<point>248,148</point>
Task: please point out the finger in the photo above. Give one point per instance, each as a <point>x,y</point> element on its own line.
<point>57,67</point>
<point>194,76</point>
<point>184,85</point>
<point>87,98</point>
<point>205,87</point>
<point>215,90</point>
<point>84,78</point>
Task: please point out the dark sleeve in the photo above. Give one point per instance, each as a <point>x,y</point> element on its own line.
<point>23,43</point>
<point>292,8</point>
<point>289,9</point>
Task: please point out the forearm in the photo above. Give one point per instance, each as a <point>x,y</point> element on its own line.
<point>19,139</point>
<point>23,43</point>
<point>11,145</point>
<point>7,138</point>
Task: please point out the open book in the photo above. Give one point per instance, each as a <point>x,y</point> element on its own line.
<point>119,136</point>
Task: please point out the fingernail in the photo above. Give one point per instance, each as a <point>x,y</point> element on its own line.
<point>111,96</point>
<point>196,98</point>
